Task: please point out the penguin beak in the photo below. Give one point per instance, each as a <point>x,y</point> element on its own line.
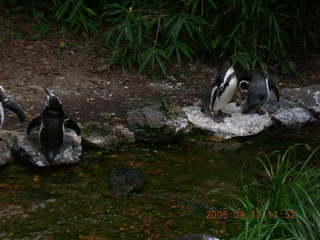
<point>15,108</point>
<point>48,93</point>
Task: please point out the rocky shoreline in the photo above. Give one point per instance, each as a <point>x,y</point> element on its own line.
<point>154,121</point>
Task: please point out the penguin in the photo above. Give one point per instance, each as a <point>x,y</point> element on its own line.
<point>258,87</point>
<point>222,93</point>
<point>6,103</point>
<point>52,122</point>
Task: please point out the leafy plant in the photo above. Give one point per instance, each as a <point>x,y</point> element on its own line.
<point>76,14</point>
<point>152,34</point>
<point>288,200</point>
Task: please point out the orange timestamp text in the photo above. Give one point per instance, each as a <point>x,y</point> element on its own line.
<point>241,214</point>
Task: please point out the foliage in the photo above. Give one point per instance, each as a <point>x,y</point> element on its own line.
<point>152,33</point>
<point>288,201</point>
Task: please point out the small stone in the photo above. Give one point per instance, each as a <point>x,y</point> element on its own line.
<point>103,68</point>
<point>125,181</point>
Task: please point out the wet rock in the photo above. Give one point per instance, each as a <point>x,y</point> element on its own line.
<point>28,148</point>
<point>102,136</point>
<point>237,125</point>
<point>125,181</point>
<point>308,97</point>
<point>197,236</point>
<point>153,121</point>
<point>6,141</point>
<point>293,117</point>
<point>223,146</point>
<point>288,113</point>
<point>5,153</point>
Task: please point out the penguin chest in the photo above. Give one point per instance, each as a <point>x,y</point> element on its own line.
<point>225,94</point>
<point>51,134</point>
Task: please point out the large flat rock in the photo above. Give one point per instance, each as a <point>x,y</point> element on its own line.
<point>238,125</point>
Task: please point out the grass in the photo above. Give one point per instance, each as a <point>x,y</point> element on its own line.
<point>286,201</point>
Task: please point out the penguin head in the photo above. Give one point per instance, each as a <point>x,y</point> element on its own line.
<point>244,85</point>
<point>53,103</point>
<point>226,70</point>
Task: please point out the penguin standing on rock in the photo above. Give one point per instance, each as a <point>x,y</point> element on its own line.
<point>52,122</point>
<point>223,92</point>
<point>6,103</point>
<point>259,88</point>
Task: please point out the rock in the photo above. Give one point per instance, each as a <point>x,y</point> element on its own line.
<point>197,236</point>
<point>5,153</point>
<point>293,117</point>
<point>153,121</point>
<point>237,125</point>
<point>102,136</point>
<point>288,113</point>
<point>103,68</point>
<point>125,181</point>
<point>308,97</point>
<point>28,148</point>
<point>6,141</point>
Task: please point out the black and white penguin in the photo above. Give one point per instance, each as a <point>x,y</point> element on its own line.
<point>52,122</point>
<point>222,93</point>
<point>259,87</point>
<point>6,103</point>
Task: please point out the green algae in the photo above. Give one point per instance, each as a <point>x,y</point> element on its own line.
<point>182,182</point>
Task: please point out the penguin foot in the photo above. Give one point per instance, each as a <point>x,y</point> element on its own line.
<point>261,112</point>
<point>218,119</point>
<point>220,116</point>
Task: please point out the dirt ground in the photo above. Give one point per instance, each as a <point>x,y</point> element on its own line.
<point>75,69</point>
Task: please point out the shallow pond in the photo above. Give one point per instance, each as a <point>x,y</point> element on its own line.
<point>182,181</point>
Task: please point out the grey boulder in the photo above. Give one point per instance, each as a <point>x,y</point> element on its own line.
<point>308,97</point>
<point>156,122</point>
<point>102,136</point>
<point>293,117</point>
<point>297,107</point>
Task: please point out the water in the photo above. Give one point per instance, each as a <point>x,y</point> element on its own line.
<point>182,181</point>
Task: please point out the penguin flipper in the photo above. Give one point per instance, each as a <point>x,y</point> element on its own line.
<point>69,123</point>
<point>15,108</point>
<point>274,88</point>
<point>36,122</point>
